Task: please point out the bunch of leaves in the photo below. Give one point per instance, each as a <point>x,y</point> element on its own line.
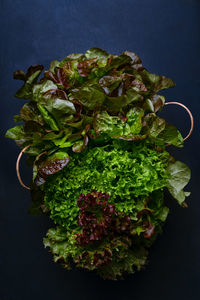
<point>88,98</point>
<point>111,259</point>
<point>91,122</point>
<point>106,240</point>
<point>98,219</point>
<point>128,175</point>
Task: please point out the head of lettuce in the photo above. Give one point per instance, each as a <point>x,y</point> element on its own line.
<point>100,164</point>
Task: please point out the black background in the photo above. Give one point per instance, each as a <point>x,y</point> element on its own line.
<point>166,36</point>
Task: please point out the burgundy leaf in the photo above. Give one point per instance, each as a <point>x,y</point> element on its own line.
<point>32,69</point>
<point>19,75</point>
<point>51,76</point>
<point>98,219</point>
<point>84,67</point>
<point>149,230</point>
<point>51,165</point>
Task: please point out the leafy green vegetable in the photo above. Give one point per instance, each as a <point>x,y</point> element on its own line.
<point>30,78</point>
<point>48,119</point>
<point>128,176</point>
<point>113,94</point>
<point>180,176</point>
<point>53,164</point>
<point>106,241</point>
<point>162,132</point>
<point>156,82</point>
<point>98,151</point>
<point>124,260</point>
<point>115,128</point>
<point>15,133</point>
<point>98,53</point>
<point>90,96</point>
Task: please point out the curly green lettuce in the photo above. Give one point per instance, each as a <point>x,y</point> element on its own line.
<point>128,176</point>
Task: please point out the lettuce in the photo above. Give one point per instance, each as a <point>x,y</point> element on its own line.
<point>128,176</point>
<point>180,176</point>
<point>112,94</point>
<point>98,151</point>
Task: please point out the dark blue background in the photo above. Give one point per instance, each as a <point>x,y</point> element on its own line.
<point>166,36</point>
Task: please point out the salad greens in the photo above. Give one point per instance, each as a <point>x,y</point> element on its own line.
<point>99,157</point>
<point>128,176</point>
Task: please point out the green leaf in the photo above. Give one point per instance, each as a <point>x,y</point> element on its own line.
<point>115,103</point>
<point>163,213</point>
<point>61,140</point>
<point>15,133</point>
<point>118,61</point>
<point>48,118</point>
<point>128,175</point>
<point>158,102</point>
<point>30,112</point>
<point>134,116</point>
<point>155,82</point>
<point>52,135</point>
<point>36,149</point>
<point>98,53</point>
<point>133,96</point>
<point>109,83</point>
<point>53,65</point>
<point>110,125</point>
<point>72,57</point>
<point>149,106</point>
<point>130,261</point>
<point>91,96</point>
<point>40,89</point>
<point>17,118</point>
<point>180,176</point>
<point>51,98</point>
<point>115,128</point>
<point>79,146</point>
<point>30,79</point>
<point>135,59</point>
<point>164,133</point>
<point>172,136</point>
<point>60,108</point>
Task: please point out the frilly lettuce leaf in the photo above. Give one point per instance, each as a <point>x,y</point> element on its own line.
<point>123,260</point>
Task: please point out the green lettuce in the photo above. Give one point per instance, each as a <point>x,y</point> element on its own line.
<point>113,94</point>
<point>180,176</point>
<point>129,176</point>
<point>92,130</point>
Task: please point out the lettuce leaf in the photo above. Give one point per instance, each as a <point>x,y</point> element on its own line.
<point>180,176</point>
<point>30,78</point>
<point>114,127</point>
